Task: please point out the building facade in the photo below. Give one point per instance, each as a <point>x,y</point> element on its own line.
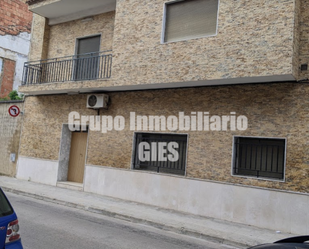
<point>202,105</point>
<point>15,29</point>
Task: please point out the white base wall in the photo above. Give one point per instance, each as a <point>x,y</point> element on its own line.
<point>37,170</point>
<point>276,210</point>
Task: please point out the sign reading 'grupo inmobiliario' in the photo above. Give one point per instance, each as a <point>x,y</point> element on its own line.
<point>197,121</point>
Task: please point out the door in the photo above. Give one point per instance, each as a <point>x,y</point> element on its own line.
<point>77,157</point>
<point>87,59</point>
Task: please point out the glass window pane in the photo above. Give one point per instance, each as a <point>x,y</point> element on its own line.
<point>5,207</point>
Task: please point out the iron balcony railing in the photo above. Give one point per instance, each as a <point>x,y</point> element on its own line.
<point>89,66</point>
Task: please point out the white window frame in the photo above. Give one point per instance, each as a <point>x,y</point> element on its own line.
<point>164,24</point>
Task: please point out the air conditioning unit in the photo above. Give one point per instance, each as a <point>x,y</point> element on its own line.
<point>97,101</point>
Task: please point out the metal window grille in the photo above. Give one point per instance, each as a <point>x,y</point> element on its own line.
<point>171,167</point>
<point>259,157</point>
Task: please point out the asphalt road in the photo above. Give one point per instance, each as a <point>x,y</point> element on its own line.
<point>47,225</point>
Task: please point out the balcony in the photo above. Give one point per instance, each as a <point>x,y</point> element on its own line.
<point>82,67</point>
<point>60,11</point>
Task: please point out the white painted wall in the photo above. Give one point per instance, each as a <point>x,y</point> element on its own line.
<point>37,170</point>
<point>1,64</point>
<point>16,48</point>
<point>264,208</point>
<point>276,210</point>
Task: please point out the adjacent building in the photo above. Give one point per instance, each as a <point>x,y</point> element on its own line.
<point>15,29</point>
<point>199,106</point>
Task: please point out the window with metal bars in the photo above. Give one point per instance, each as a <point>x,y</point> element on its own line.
<point>162,153</point>
<point>259,157</point>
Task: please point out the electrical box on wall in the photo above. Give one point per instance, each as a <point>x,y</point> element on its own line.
<point>13,157</point>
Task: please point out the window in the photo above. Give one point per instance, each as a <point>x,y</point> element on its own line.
<point>189,19</point>
<point>87,58</point>
<point>162,153</point>
<point>259,157</point>
<point>5,207</point>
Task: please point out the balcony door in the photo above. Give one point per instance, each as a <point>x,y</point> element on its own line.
<point>87,58</point>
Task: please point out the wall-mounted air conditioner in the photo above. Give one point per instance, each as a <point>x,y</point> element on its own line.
<point>97,101</point>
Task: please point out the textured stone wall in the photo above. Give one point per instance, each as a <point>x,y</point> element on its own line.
<point>273,110</point>
<point>42,125</point>
<point>15,17</point>
<point>60,40</point>
<point>39,39</point>
<point>10,129</point>
<point>253,37</point>
<point>63,36</point>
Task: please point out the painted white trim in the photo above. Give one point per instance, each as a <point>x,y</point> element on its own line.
<point>61,11</point>
<point>254,177</point>
<point>37,170</point>
<point>82,14</point>
<point>202,180</point>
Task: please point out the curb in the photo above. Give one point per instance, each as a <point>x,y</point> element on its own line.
<point>179,230</point>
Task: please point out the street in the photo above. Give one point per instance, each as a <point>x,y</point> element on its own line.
<point>46,225</point>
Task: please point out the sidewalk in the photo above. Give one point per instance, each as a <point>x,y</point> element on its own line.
<point>207,228</point>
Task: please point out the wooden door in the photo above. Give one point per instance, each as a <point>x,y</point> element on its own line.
<point>77,157</point>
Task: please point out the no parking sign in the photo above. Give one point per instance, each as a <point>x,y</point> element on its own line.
<point>14,111</point>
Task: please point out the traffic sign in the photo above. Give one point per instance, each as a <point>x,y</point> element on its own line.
<point>14,111</point>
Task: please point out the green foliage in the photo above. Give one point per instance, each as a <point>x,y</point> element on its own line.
<point>4,99</point>
<point>13,96</point>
